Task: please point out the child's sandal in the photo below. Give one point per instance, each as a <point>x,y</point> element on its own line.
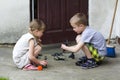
<point>30,67</point>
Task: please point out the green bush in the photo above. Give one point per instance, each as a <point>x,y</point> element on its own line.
<point>2,78</point>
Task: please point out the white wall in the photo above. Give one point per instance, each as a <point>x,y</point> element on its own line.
<point>101,15</point>
<point>14,19</point>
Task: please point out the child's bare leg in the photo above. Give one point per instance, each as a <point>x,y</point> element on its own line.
<point>37,50</point>
<point>84,48</point>
<point>87,52</point>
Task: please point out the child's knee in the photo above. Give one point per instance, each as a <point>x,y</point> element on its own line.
<point>38,48</point>
<point>78,38</point>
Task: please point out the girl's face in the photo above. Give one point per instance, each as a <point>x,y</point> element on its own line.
<point>78,29</point>
<point>38,33</point>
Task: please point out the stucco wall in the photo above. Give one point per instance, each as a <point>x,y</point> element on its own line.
<point>14,19</point>
<point>101,15</point>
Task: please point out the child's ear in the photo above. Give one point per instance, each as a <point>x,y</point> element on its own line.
<point>81,25</point>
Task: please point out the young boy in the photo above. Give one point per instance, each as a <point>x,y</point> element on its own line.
<point>90,41</point>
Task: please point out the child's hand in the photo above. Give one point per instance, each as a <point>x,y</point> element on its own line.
<point>63,46</point>
<point>44,62</point>
<point>39,41</point>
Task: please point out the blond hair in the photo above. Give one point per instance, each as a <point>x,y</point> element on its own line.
<point>79,18</point>
<point>37,24</point>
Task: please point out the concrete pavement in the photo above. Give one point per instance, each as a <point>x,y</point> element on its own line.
<point>60,70</point>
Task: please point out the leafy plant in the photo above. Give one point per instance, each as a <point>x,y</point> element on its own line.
<point>2,78</point>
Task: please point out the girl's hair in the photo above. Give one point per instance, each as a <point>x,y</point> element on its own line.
<point>37,24</point>
<point>79,18</point>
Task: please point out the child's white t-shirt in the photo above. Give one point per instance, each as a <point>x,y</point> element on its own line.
<point>89,35</point>
<point>20,51</point>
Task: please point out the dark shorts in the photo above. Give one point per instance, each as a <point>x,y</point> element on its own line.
<point>94,53</point>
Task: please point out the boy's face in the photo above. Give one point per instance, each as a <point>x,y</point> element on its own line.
<point>78,29</point>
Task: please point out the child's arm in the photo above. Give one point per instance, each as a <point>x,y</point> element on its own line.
<point>74,48</point>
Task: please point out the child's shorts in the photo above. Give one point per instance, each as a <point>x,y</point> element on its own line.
<point>94,53</point>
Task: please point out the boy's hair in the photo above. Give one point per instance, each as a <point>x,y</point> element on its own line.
<point>37,24</point>
<point>79,18</point>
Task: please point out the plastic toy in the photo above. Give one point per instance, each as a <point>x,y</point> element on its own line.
<point>40,68</point>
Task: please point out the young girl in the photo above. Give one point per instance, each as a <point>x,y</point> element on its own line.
<point>28,47</point>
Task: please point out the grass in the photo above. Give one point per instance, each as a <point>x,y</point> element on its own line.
<point>2,78</point>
